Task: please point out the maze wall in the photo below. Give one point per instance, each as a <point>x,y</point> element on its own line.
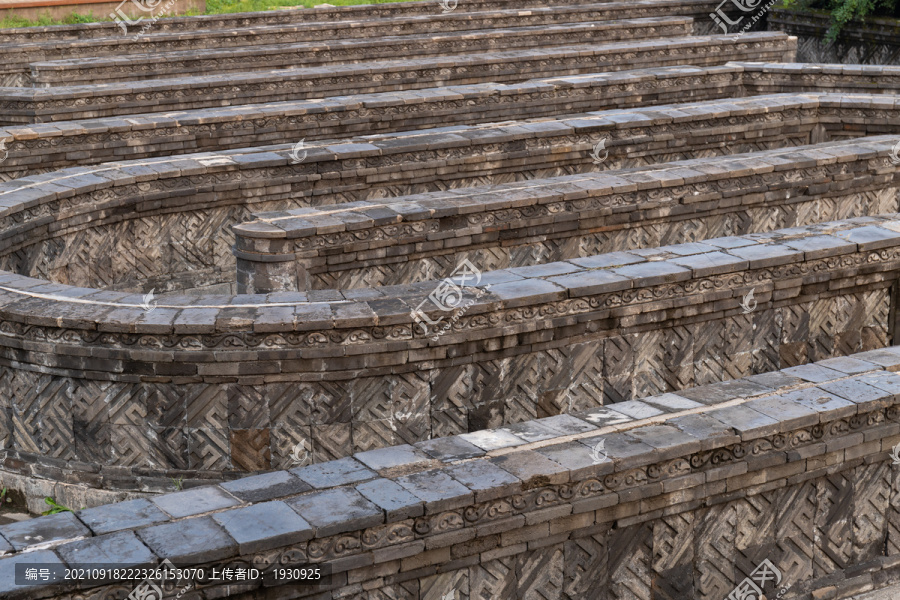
<point>689,497</point>
<point>187,387</point>
<point>167,246</point>
<point>558,218</point>
<point>229,248</point>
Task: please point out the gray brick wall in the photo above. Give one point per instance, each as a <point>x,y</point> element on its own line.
<point>688,494</point>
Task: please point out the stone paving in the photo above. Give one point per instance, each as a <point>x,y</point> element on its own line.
<point>506,301</point>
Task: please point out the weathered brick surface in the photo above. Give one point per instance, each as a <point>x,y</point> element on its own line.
<point>382,404</point>
<point>818,528</point>
<point>605,417</point>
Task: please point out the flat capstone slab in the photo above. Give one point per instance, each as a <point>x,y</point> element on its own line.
<point>774,380</point>
<point>396,501</point>
<point>813,373</point>
<point>337,510</point>
<point>392,457</point>
<point>189,542</point>
<point>580,460</point>
<point>889,382</point>
<point>334,473</point>
<point>8,587</point>
<point>120,549</point>
<point>533,469</point>
<point>492,439</point>
<point>264,526</point>
<point>51,529</point>
<point>716,393</point>
<point>822,401</point>
<point>711,432</point>
<point>635,409</point>
<point>566,424</point>
<point>450,448</point>
<point>195,502</point>
<point>438,490</point>
<point>603,417</point>
<point>856,391</point>
<point>793,415</point>
<point>624,451</point>
<point>850,366</point>
<point>268,486</point>
<point>746,421</point>
<point>669,442</point>
<point>670,402</point>
<point>121,515</point>
<point>531,431</point>
<point>883,358</point>
<point>486,479</point>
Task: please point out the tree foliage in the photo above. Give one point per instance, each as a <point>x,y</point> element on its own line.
<point>845,11</point>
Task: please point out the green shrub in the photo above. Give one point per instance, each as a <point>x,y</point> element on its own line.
<point>844,11</point>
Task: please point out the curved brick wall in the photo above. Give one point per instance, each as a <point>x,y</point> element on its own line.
<point>204,91</point>
<point>156,238</point>
<point>227,383</point>
<point>360,245</point>
<point>241,57</point>
<point>17,57</point>
<point>39,148</point>
<point>646,302</point>
<point>689,495</point>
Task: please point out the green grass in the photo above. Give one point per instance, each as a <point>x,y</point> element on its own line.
<point>218,7</point>
<point>213,7</point>
<point>72,19</point>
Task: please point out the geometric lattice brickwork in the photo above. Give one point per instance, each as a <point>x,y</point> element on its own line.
<point>773,490</point>
<point>212,427</point>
